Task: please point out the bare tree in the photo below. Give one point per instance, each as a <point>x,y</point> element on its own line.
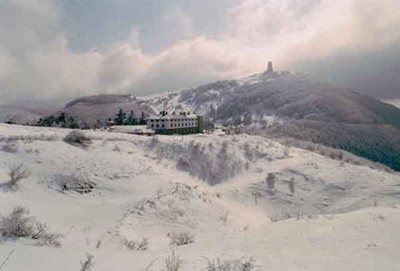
<point>16,172</point>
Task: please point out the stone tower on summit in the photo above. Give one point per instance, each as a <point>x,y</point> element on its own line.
<point>270,67</point>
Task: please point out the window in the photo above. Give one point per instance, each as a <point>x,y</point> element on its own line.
<point>152,125</point>
<point>157,125</point>
<point>162,125</point>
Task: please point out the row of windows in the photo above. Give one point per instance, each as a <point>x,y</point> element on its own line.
<point>173,120</point>
<point>174,125</point>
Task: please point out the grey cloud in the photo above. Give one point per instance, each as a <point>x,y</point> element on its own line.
<point>295,34</point>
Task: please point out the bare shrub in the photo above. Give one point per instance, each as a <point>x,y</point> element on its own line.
<point>286,152</point>
<point>291,185</point>
<point>18,225</point>
<point>248,153</point>
<point>256,196</point>
<point>74,183</point>
<point>181,238</point>
<point>223,216</point>
<point>289,213</point>
<point>154,141</point>
<point>270,181</point>
<point>9,148</point>
<point>183,162</point>
<point>44,237</point>
<point>173,262</point>
<point>88,263</point>
<point>230,265</point>
<point>139,244</point>
<point>16,173</point>
<point>31,138</point>
<point>77,138</point>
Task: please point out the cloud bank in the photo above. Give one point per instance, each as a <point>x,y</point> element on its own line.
<point>37,63</point>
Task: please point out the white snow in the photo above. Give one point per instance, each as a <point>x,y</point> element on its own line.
<point>340,217</point>
<point>395,102</point>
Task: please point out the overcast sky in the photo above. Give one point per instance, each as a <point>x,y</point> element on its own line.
<point>55,50</point>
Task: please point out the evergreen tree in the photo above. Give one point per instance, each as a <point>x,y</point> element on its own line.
<point>71,123</point>
<point>120,118</point>
<point>142,119</point>
<point>61,119</point>
<point>131,120</point>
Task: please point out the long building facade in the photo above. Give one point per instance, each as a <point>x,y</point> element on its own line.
<point>175,123</point>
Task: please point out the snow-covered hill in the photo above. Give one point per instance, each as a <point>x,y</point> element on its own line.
<point>238,196</point>
<point>22,115</point>
<point>288,104</point>
<point>395,102</point>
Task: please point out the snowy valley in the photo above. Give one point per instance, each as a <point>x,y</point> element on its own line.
<point>136,203</point>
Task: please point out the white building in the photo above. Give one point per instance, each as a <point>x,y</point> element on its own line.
<point>181,122</point>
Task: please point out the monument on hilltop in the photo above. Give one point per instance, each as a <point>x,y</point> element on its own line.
<point>270,67</point>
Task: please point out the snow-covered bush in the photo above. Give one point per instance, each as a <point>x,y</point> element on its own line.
<point>72,183</point>
<point>78,138</point>
<point>181,238</point>
<point>88,263</point>
<point>230,265</point>
<point>139,244</point>
<point>18,225</point>
<point>16,173</point>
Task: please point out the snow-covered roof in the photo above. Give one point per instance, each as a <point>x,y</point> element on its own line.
<point>176,116</point>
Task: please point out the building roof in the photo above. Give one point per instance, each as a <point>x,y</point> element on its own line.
<point>172,117</point>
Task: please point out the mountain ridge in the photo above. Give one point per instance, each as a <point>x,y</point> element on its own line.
<point>278,103</point>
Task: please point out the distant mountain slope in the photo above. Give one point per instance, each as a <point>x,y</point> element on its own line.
<point>22,115</point>
<point>272,103</point>
<point>94,109</point>
<point>287,95</point>
<point>306,109</point>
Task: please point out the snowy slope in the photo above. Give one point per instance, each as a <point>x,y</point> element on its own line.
<point>22,115</point>
<point>339,216</point>
<point>395,102</point>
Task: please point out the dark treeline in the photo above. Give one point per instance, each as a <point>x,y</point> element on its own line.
<point>60,119</point>
<point>122,118</point>
<point>63,120</point>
